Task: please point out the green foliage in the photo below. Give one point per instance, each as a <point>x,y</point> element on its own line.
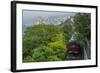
<point>59,47</point>
<point>83,28</point>
<point>57,44</point>
<point>45,53</point>
<point>43,42</point>
<point>68,30</point>
<point>47,42</point>
<point>28,59</point>
<point>83,24</point>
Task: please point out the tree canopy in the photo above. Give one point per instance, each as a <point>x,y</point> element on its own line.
<point>43,42</point>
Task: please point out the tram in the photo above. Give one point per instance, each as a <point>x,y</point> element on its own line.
<point>74,51</point>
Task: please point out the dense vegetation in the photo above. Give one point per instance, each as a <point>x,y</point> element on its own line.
<point>83,28</point>
<point>43,43</point>
<point>48,42</point>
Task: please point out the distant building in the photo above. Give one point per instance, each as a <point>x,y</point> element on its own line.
<point>41,21</point>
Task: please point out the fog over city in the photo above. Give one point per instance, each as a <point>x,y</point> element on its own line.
<point>31,17</point>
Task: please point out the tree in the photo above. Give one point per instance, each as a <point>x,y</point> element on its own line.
<point>82,24</point>
<point>43,42</point>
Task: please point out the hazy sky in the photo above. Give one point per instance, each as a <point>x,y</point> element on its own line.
<point>30,17</point>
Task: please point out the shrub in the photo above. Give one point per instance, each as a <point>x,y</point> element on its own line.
<point>43,43</point>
